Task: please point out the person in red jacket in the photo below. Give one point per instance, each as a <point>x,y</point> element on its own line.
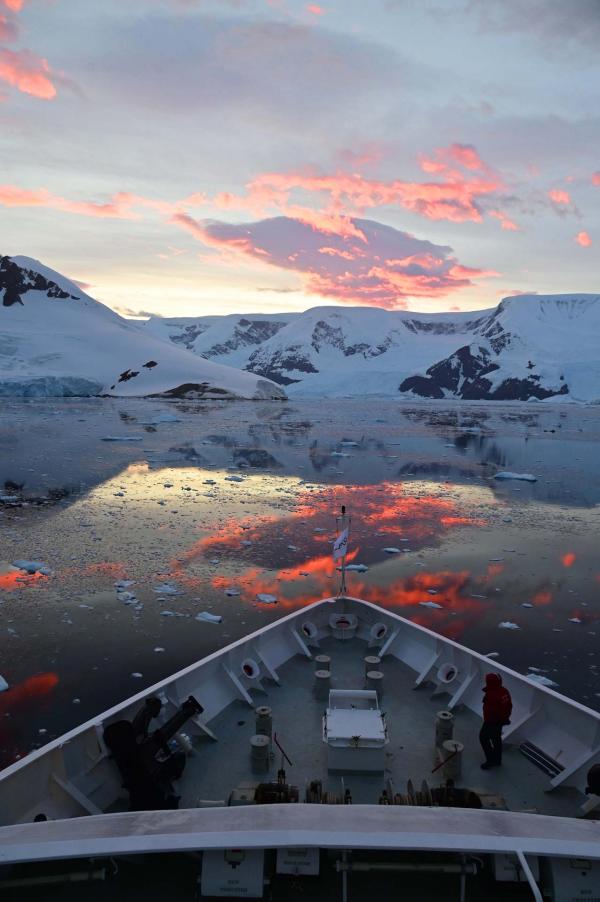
<point>497,708</point>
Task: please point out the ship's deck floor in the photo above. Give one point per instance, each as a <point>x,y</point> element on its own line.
<point>218,767</point>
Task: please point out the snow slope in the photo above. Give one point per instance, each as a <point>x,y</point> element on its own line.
<point>530,346</point>
<point>55,340</point>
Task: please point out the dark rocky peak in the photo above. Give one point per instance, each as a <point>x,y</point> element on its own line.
<point>448,327</point>
<point>247,332</point>
<point>16,281</point>
<point>324,333</point>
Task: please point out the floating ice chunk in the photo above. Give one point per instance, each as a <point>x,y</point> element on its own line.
<point>432,591</point>
<point>122,438</point>
<point>247,543</point>
<point>392,550</point>
<point>266,598</point>
<point>160,418</point>
<point>574,620</point>
<point>167,614</point>
<point>358,568</point>
<point>124,584</point>
<point>348,444</point>
<point>492,654</point>
<point>293,548</point>
<point>158,649</point>
<point>215,560</point>
<point>209,482</point>
<point>232,591</point>
<point>210,618</point>
<point>127,597</point>
<point>166,589</point>
<point>526,604</point>
<point>507,474</point>
<point>33,567</point>
<point>9,499</point>
<point>137,676</point>
<point>234,478</point>
<point>541,679</point>
<point>429,604</point>
<point>508,625</point>
<point>339,454</point>
<point>3,684</point>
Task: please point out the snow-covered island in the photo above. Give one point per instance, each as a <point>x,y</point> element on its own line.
<point>57,341</point>
<point>530,347</point>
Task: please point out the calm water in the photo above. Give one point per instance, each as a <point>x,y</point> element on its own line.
<point>204,498</point>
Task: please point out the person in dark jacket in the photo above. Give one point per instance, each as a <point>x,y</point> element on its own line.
<point>497,708</point>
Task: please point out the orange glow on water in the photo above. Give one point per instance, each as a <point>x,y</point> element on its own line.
<point>568,559</point>
<point>30,690</point>
<point>18,579</point>
<point>542,598</point>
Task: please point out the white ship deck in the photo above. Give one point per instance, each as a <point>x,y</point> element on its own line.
<point>218,767</point>
<point>528,814</point>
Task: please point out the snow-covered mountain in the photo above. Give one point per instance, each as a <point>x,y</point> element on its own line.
<point>529,346</point>
<point>55,340</point>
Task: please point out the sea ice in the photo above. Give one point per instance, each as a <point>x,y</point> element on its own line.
<point>33,567</point>
<point>267,599</point>
<point>3,684</point>
<point>508,625</point>
<point>429,604</point>
<point>506,474</point>
<point>166,589</point>
<point>232,591</point>
<point>392,550</point>
<point>121,438</point>
<point>210,618</point>
<point>358,568</point>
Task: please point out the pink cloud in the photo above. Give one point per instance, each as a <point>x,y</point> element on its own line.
<point>453,196</point>
<point>384,270</point>
<point>505,221</point>
<point>14,6</point>
<point>27,72</point>
<point>583,239</point>
<point>559,196</point>
<point>119,207</point>
<point>8,29</point>
<point>596,179</point>
<point>315,10</point>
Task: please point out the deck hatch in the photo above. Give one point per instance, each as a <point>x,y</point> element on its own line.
<point>549,765</point>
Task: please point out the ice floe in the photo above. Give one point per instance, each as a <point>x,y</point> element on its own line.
<point>508,625</point>
<point>209,618</point>
<point>429,604</point>
<point>122,438</point>
<point>265,598</point>
<point>507,474</point>
<point>33,567</point>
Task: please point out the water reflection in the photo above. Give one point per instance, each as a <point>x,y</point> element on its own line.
<point>244,496</point>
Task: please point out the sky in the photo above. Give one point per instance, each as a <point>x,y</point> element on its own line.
<point>193,157</point>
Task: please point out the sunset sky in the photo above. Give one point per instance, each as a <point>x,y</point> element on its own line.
<point>188,157</point>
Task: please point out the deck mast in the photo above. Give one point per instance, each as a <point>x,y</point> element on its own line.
<point>340,546</point>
